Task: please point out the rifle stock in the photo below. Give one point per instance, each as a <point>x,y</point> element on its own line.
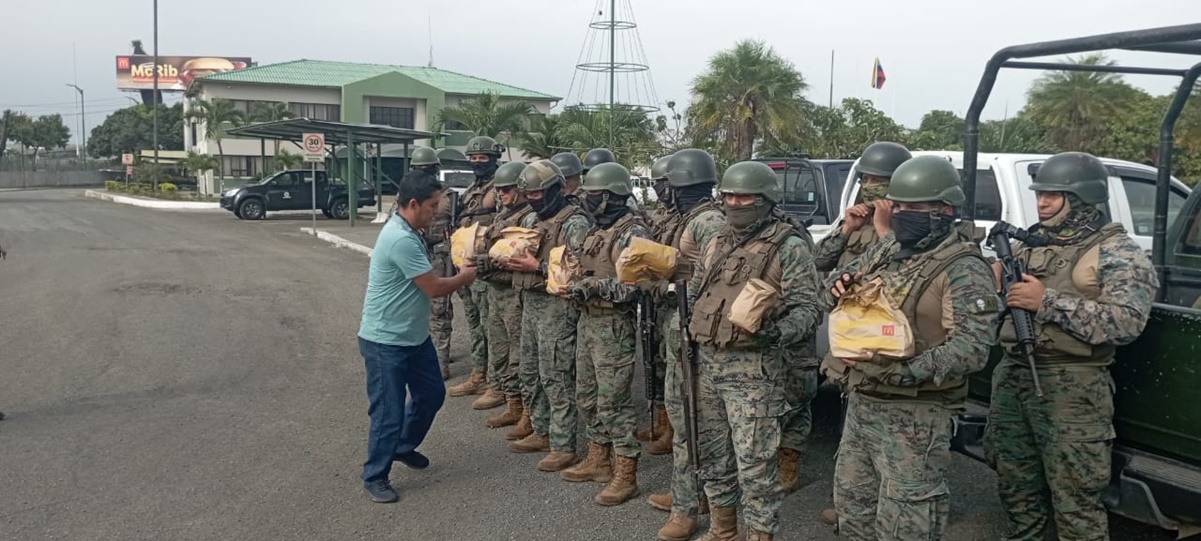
<point>1012,270</point>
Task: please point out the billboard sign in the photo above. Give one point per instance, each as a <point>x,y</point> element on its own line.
<point>136,72</point>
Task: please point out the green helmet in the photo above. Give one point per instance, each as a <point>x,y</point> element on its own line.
<point>926,179</point>
<point>1076,173</point>
<point>608,177</point>
<point>882,158</point>
<point>538,176</point>
<point>596,157</point>
<point>424,156</point>
<point>507,174</point>
<point>483,144</point>
<point>659,169</point>
<point>568,163</point>
<point>690,167</point>
<point>750,178</point>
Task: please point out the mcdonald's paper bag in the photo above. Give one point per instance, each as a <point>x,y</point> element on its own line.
<point>514,241</point>
<point>645,260</point>
<point>465,243</point>
<point>866,322</point>
<point>561,270</point>
<point>753,302</point>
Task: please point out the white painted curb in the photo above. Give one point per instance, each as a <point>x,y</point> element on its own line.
<point>152,203</point>
<point>339,242</point>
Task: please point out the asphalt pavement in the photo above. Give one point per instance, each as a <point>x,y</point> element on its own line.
<point>188,375</point>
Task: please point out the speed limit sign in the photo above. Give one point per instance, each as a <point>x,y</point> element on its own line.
<point>314,147</point>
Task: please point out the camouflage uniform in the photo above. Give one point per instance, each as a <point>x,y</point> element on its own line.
<point>836,249</point>
<point>442,314</point>
<point>1052,453</point>
<point>504,312</point>
<point>741,378</point>
<point>548,337</point>
<point>475,303</point>
<point>890,472</point>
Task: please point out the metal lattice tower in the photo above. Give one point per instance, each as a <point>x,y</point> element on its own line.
<point>612,70</point>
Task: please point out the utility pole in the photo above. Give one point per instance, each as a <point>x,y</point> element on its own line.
<point>82,121</point>
<point>154,102</point>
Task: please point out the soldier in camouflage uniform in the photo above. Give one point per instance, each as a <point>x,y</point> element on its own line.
<point>1089,288</point>
<point>741,376</point>
<point>605,353</point>
<point>478,205</point>
<point>663,218</point>
<point>691,221</point>
<point>863,224</point>
<point>503,321</point>
<point>548,339</point>
<point>889,478</point>
<point>573,170</point>
<point>597,156</point>
<point>437,240</point>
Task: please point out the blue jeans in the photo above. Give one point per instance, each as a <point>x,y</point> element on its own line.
<point>398,428</point>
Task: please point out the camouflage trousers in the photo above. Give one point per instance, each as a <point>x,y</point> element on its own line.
<point>1051,453</point>
<point>685,497</point>
<point>664,315</point>
<point>799,390</point>
<point>603,374</point>
<point>740,399</point>
<point>442,315</point>
<point>548,357</point>
<point>889,478</point>
<point>475,307</point>
<point>503,326</point>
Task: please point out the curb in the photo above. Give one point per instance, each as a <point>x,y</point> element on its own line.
<point>150,203</point>
<point>339,242</point>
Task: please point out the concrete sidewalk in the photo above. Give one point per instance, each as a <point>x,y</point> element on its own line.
<point>360,238</point>
<point>152,203</point>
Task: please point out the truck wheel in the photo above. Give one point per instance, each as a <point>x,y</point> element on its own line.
<point>251,209</point>
<point>340,209</point>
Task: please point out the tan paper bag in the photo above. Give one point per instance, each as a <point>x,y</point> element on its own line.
<point>645,260</point>
<point>755,300</point>
<point>561,270</point>
<point>465,243</point>
<point>514,241</point>
<point>866,322</point>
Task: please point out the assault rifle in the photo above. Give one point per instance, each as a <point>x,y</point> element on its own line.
<point>647,350</point>
<point>1012,270</point>
<point>452,199</point>
<point>688,365</point>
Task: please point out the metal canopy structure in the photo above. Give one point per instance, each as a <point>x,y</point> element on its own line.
<point>1182,39</point>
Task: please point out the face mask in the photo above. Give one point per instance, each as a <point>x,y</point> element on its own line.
<point>742,219</point>
<point>873,192</point>
<point>537,205</point>
<point>484,170</point>
<point>917,229</point>
<point>662,191</point>
<point>595,203</point>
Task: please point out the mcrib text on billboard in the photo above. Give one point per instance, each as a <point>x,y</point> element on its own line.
<point>175,73</point>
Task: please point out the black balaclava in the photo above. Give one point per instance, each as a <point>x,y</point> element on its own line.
<point>606,207</point>
<point>685,198</point>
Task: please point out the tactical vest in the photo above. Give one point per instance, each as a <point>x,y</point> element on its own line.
<point>858,242</point>
<point>600,253</point>
<point>725,280</point>
<point>909,283</point>
<point>1053,266</point>
<point>509,218</point>
<point>552,232</point>
<point>473,206</point>
<point>663,223</point>
<point>671,230</point>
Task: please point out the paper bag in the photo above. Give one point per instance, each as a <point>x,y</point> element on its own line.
<point>645,260</point>
<point>465,243</point>
<point>514,241</point>
<point>866,323</point>
<point>561,270</point>
<point>753,302</point>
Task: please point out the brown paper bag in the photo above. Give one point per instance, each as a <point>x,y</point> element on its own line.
<point>465,243</point>
<point>561,270</point>
<point>755,300</point>
<point>645,260</point>
<point>514,241</point>
<point>866,322</point>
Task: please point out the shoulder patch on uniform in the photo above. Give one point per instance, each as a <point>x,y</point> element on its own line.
<point>985,305</point>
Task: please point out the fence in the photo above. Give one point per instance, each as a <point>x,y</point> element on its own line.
<point>52,169</point>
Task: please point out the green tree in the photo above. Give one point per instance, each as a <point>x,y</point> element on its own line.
<point>199,164</point>
<point>11,122</point>
<point>47,132</point>
<point>131,130</point>
<point>214,115</point>
<point>1076,108</point>
<point>749,94</point>
<point>485,114</point>
<point>844,131</point>
<point>939,130</point>
<point>545,138</point>
<point>271,112</point>
<point>626,130</point>
<point>287,160</point>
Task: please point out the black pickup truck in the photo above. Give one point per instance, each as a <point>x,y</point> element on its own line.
<point>292,190</point>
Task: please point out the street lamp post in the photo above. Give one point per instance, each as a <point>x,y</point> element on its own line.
<point>83,120</point>
<point>154,109</point>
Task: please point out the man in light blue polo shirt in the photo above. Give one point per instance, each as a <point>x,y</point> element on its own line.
<point>394,336</point>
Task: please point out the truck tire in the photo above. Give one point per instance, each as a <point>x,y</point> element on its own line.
<point>251,209</point>
<point>339,209</point>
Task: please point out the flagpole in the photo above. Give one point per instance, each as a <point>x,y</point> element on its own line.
<point>831,78</point>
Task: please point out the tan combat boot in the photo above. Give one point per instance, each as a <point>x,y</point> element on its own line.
<point>679,527</point>
<point>475,384</point>
<point>491,398</point>
<point>756,535</point>
<point>663,434</point>
<point>644,434</point>
<point>663,502</point>
<point>522,429</point>
<point>594,467</point>
<point>723,524</point>
<point>556,461</point>
<point>534,443</point>
<point>624,484</point>
<point>789,461</point>
<point>509,417</point>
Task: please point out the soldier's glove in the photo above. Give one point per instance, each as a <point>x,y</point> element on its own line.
<point>583,289</point>
<point>441,249</point>
<point>483,263</point>
<point>656,289</point>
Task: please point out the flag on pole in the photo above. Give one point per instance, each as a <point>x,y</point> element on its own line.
<point>878,76</point>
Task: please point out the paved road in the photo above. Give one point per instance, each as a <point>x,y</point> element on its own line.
<point>190,376</point>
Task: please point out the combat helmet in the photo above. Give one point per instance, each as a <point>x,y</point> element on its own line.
<point>1077,173</point>
<point>539,176</point>
<point>659,168</point>
<point>609,177</point>
<point>569,164</point>
<point>482,144</point>
<point>691,166</point>
<point>508,174</point>
<point>882,158</point>
<point>750,178</point>
<point>596,157</point>
<point>926,179</point>
<point>424,156</point>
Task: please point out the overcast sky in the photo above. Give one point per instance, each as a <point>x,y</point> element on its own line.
<point>933,51</point>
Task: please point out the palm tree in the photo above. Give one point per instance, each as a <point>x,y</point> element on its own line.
<point>198,164</point>
<point>271,112</point>
<point>214,115</point>
<point>626,130</point>
<point>545,137</point>
<point>485,115</point>
<point>1075,107</point>
<point>287,160</point>
<point>749,93</point>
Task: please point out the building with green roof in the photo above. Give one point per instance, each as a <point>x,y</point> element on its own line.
<point>400,96</point>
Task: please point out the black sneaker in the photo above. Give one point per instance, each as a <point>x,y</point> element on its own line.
<point>380,491</point>
<point>413,460</point>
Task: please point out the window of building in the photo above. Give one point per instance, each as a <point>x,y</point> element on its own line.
<point>397,117</point>
<point>317,111</point>
<point>238,166</point>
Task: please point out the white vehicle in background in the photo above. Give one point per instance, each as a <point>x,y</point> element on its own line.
<point>458,180</point>
<point>644,191</point>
